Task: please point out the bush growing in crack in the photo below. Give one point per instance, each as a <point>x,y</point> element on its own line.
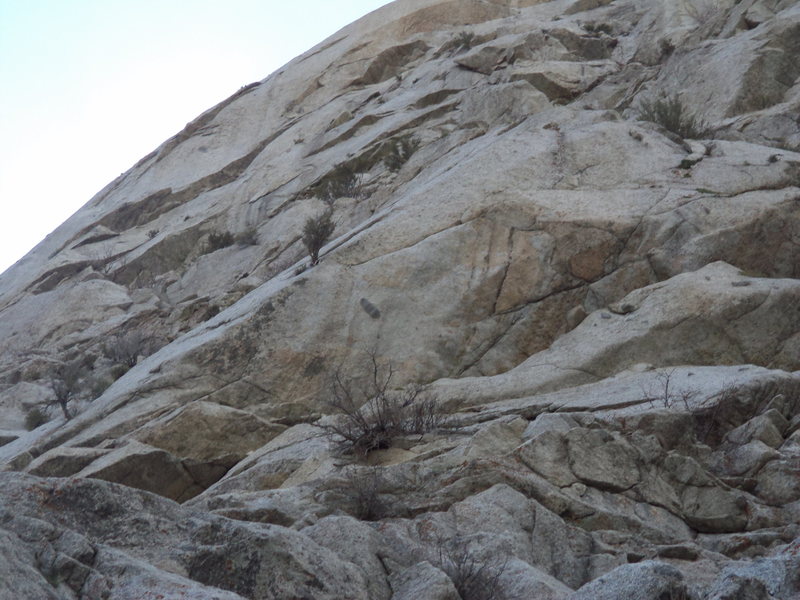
<point>362,487</point>
<point>667,394</point>
<point>473,578</point>
<point>316,232</point>
<point>341,182</point>
<point>126,349</point>
<point>35,417</point>
<point>672,115</point>
<point>400,150</point>
<point>65,383</point>
<point>248,237</point>
<point>371,415</point>
<point>464,40</point>
<point>217,240</point>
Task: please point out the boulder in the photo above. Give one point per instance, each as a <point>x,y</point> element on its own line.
<point>146,468</point>
<point>641,581</point>
<point>422,581</point>
<point>228,434</point>
<point>64,461</point>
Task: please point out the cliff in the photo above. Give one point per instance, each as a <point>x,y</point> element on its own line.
<point>574,223</point>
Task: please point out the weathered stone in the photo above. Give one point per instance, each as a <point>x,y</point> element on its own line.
<point>145,468</point>
<point>607,313</point>
<point>779,481</point>
<point>642,581</point>
<point>600,460</point>
<point>64,461</point>
<point>422,581</point>
<point>208,432</point>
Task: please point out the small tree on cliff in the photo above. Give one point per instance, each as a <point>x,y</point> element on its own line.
<point>65,383</point>
<point>316,232</point>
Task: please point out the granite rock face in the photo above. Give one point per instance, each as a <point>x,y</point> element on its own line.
<point>605,311</point>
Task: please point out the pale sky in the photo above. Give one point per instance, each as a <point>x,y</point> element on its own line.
<point>88,87</point>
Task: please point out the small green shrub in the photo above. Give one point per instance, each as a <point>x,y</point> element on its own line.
<point>464,40</point>
<point>218,241</point>
<point>35,417</point>
<point>672,115</point>
<point>118,371</point>
<point>98,385</point>
<point>599,28</point>
<point>248,237</point>
<point>341,182</point>
<point>65,382</point>
<point>317,231</point>
<point>31,374</point>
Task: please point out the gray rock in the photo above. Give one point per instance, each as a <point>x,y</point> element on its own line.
<point>422,581</point>
<point>645,580</point>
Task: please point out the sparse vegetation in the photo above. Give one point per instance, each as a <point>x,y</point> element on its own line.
<point>702,11</point>
<point>707,417</point>
<point>98,385</point>
<point>400,151</point>
<point>218,240</point>
<point>598,28</point>
<point>672,115</point>
<point>35,417</point>
<point>362,490</point>
<point>665,393</point>
<point>118,371</point>
<point>248,237</point>
<point>372,415</point>
<point>474,579</point>
<point>126,349</point>
<point>65,383</point>
<point>152,233</point>
<point>464,40</point>
<point>316,232</point>
<point>341,182</point>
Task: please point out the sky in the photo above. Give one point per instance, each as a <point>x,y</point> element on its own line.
<point>88,87</point>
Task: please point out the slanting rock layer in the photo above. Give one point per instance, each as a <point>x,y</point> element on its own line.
<point>605,312</point>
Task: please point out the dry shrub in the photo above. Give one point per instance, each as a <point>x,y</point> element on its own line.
<point>672,115</point>
<point>372,415</point>
<point>362,491</point>
<point>474,579</point>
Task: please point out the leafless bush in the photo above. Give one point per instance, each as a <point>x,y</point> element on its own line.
<point>362,490</point>
<point>666,393</point>
<point>474,579</point>
<point>702,11</point>
<point>708,428</point>
<point>103,259</point>
<point>317,231</point>
<point>126,349</point>
<point>672,115</point>
<point>371,415</point>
